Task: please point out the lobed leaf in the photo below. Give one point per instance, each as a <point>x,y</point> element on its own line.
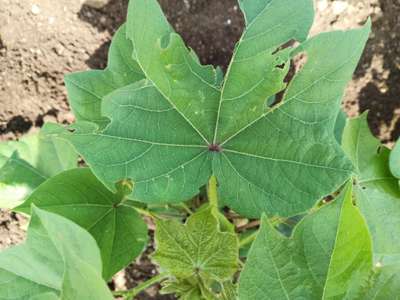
<point>58,258</point>
<point>175,129</point>
<point>196,249</point>
<point>119,231</point>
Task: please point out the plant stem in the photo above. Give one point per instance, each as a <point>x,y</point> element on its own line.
<point>186,208</point>
<point>247,240</point>
<point>212,191</point>
<point>146,212</point>
<point>130,294</point>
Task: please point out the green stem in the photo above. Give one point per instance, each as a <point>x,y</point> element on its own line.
<point>130,294</point>
<point>212,191</point>
<point>247,240</point>
<point>186,208</point>
<point>146,213</point>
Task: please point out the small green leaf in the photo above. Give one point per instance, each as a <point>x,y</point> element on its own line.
<point>377,191</point>
<point>330,250</point>
<point>30,161</point>
<point>197,249</point>
<point>186,289</point>
<point>58,257</point>
<point>87,89</point>
<point>116,226</point>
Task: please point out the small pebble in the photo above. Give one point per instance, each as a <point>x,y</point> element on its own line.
<point>339,7</point>
<point>35,9</point>
<point>322,5</point>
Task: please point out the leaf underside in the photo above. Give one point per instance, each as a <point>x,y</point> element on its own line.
<point>174,129</point>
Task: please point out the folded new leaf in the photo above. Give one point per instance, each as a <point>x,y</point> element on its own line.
<point>116,226</point>
<point>59,260</point>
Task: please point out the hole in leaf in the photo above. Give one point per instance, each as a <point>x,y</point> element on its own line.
<point>296,64</point>
<point>290,43</point>
<point>281,66</point>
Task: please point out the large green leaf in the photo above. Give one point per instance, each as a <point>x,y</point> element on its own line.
<point>58,257</point>
<point>171,132</point>
<point>30,161</point>
<point>77,195</point>
<point>86,89</point>
<point>197,248</point>
<point>376,190</point>
<point>328,254</point>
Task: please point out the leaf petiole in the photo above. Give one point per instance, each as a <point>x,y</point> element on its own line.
<point>247,240</point>
<point>212,191</point>
<point>130,294</point>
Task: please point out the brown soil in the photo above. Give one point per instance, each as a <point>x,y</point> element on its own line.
<point>41,40</point>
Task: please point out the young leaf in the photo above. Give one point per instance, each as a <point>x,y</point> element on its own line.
<point>384,284</point>
<point>376,190</point>
<point>174,130</point>
<point>116,226</point>
<point>87,89</point>
<point>184,289</point>
<point>30,161</point>
<point>58,257</point>
<point>197,249</point>
<point>330,250</point>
